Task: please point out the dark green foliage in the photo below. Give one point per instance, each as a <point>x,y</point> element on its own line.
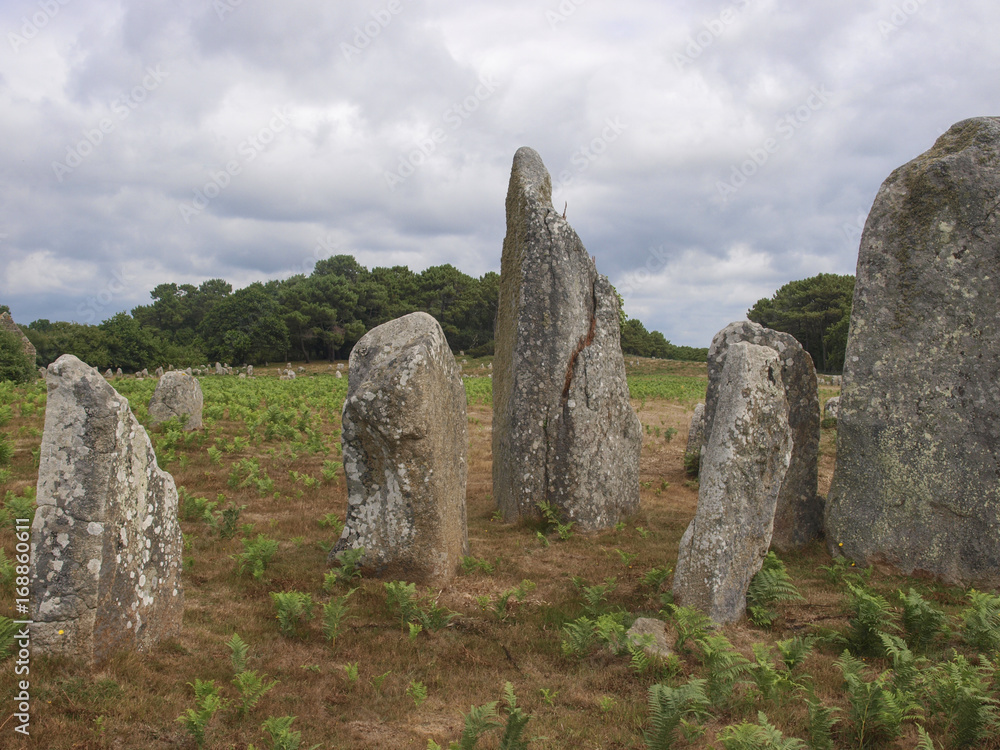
<point>959,701</point>
<point>816,311</point>
<point>981,621</point>
<point>637,341</point>
<point>877,710</point>
<point>760,736</point>
<point>15,364</point>
<point>872,617</point>
<point>723,667</point>
<point>771,584</point>
<point>690,624</point>
<point>922,622</point>
<point>668,707</point>
<point>316,316</point>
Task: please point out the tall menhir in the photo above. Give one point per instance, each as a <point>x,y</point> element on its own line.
<point>564,431</point>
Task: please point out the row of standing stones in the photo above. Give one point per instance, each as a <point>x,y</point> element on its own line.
<point>915,484</point>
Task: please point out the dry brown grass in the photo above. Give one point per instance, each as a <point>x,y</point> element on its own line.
<point>595,702</point>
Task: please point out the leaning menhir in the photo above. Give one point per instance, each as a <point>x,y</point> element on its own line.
<point>105,543</point>
<point>798,516</point>
<point>742,468</point>
<point>405,438</point>
<point>563,428</point>
<point>917,479</point>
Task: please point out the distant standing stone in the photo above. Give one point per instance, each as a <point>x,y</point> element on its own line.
<point>108,374</point>
<point>105,543</point>
<point>917,479</point>
<point>339,375</point>
<point>118,372</point>
<point>219,369</point>
<point>696,435</point>
<point>177,394</point>
<point>563,428</point>
<point>742,469</point>
<point>249,371</point>
<point>798,517</point>
<point>159,372</point>
<point>7,324</point>
<point>404,447</point>
<point>832,408</point>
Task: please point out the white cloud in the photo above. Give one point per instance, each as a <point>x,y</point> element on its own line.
<point>352,118</point>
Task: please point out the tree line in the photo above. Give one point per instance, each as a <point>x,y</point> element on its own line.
<point>316,317</point>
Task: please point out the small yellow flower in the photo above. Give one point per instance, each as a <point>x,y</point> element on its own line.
<point>61,632</point>
<point>841,544</point>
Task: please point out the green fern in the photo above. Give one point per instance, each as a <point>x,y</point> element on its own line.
<point>822,719</point>
<point>925,742</point>
<point>760,736</point>
<point>239,650</point>
<point>981,621</point>
<point>294,608</point>
<point>669,707</point>
<point>922,623</point>
<point>771,584</point>
<point>771,683</point>
<point>690,624</point>
<point>873,616</point>
<point>877,710</point>
<point>252,688</point>
<point>7,632</point>
<point>513,731</point>
<point>958,697</point>
<point>478,721</point>
<point>595,597</point>
<point>795,650</point>
<point>578,637</point>
<point>723,665</point>
<point>334,614</point>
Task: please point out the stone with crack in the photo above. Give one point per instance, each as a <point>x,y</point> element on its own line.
<point>564,431</point>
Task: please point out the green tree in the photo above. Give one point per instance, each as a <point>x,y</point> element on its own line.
<point>812,310</point>
<point>15,364</point>
<point>245,326</point>
<point>131,345</point>
<point>52,340</point>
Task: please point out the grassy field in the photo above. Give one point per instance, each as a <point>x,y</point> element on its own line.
<point>380,667</point>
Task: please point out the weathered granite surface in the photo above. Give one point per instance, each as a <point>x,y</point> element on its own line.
<point>917,479</point>
<point>798,517</point>
<point>105,543</point>
<point>405,438</point>
<point>564,431</point>
<point>742,469</point>
<point>177,394</point>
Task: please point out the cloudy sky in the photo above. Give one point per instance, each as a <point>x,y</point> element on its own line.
<point>708,152</point>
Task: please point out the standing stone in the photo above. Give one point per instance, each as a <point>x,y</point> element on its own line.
<point>249,371</point>
<point>189,371</point>
<point>338,375</point>
<point>105,542</point>
<point>219,369</point>
<point>563,428</point>
<point>798,517</point>
<point>119,373</point>
<point>159,372</point>
<point>696,438</point>
<point>7,324</point>
<point>742,469</point>
<point>108,374</point>
<point>405,442</point>
<point>917,479</point>
<point>177,394</point>
<point>832,408</point>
